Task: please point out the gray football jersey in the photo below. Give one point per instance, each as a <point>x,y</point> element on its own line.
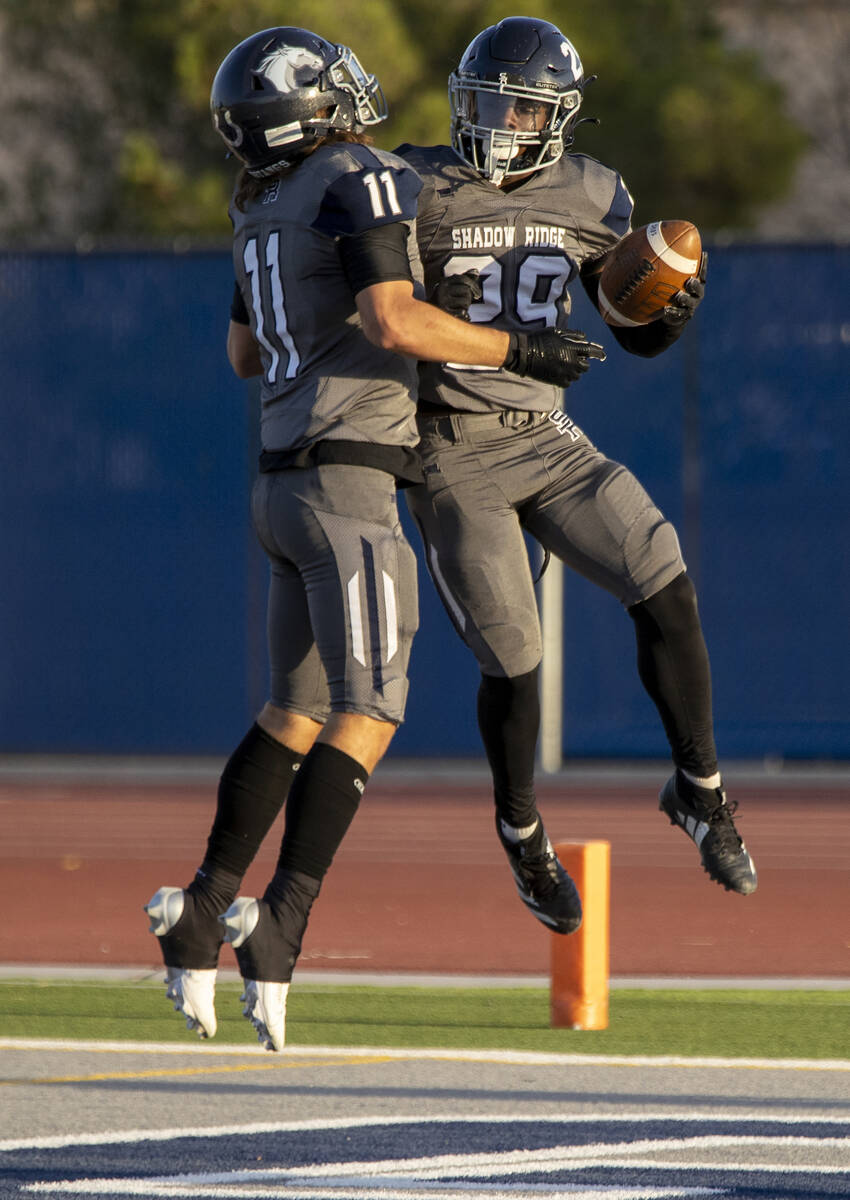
<point>528,246</point>
<point>322,378</point>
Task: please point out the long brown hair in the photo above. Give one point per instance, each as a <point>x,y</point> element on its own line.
<point>248,187</point>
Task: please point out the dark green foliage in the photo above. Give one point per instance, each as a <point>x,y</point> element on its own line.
<point>119,92</point>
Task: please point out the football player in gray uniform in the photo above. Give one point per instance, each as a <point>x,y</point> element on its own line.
<point>329,310</point>
<point>507,220</point>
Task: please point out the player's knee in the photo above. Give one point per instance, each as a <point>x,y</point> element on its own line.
<point>674,607</point>
<point>365,739</point>
<point>651,552</point>
<point>511,691</point>
<point>508,643</point>
<point>289,728</point>
<point>509,711</point>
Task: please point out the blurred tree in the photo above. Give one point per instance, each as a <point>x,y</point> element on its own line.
<point>118,140</point>
<point>697,131</point>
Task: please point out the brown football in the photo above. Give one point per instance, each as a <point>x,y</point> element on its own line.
<point>645,269</point>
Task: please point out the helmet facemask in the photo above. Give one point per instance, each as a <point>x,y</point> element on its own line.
<point>504,129</point>
<point>347,75</point>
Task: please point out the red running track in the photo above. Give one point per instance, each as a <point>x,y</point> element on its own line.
<point>421,885</point>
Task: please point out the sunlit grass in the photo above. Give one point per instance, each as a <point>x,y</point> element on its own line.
<point>762,1024</point>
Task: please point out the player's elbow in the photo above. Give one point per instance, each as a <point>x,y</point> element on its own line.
<point>245,370</point>
<point>386,331</point>
<point>242,352</point>
<point>388,316</point>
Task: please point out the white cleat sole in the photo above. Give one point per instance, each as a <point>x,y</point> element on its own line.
<point>191,991</point>
<point>265,1008</point>
<point>265,1003</point>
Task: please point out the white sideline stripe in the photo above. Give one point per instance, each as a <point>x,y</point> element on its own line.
<point>667,254</point>
<point>450,1054</point>
<point>117,1137</point>
<point>132,976</point>
<point>519,1162</point>
<point>351,1191</point>
<point>354,1192</point>
<point>437,1174</point>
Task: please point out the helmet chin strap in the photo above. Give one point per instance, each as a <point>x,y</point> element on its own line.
<point>502,161</point>
<point>499,153</point>
<point>496,168</point>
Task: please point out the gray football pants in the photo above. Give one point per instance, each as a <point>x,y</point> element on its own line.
<point>489,478</point>
<point>343,601</point>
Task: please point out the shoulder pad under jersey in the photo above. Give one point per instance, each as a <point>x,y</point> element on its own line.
<point>607,191</point>
<point>381,192</point>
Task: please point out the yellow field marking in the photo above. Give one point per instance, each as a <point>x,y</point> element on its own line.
<point>352,1055</point>
<point>185,1071</point>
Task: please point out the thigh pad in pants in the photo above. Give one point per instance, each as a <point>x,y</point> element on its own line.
<point>601,522</point>
<point>343,588</point>
<point>478,560</point>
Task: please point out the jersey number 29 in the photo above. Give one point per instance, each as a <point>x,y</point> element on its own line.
<point>541,280</point>
<point>540,284</point>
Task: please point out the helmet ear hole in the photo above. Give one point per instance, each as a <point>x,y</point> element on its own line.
<point>343,116</point>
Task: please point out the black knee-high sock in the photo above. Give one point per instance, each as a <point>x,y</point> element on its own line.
<point>509,721</point>
<point>251,792</point>
<point>674,668</point>
<point>321,806</point>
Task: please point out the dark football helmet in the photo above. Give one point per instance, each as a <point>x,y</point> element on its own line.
<point>514,98</point>
<point>281,90</point>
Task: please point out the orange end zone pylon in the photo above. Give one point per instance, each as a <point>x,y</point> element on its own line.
<point>579,979</point>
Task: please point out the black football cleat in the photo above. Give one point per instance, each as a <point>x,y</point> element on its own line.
<point>706,817</point>
<point>544,886</point>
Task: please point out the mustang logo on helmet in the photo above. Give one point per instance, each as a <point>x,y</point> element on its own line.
<point>290,67</point>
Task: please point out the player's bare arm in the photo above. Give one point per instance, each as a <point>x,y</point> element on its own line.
<point>395,320</point>
<point>243,353</point>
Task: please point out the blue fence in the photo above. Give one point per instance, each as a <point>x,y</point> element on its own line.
<point>132,596</point>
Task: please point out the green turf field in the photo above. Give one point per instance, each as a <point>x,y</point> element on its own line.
<point>761,1024</point>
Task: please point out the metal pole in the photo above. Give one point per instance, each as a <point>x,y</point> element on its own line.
<point>692,480</point>
<point>551,601</point>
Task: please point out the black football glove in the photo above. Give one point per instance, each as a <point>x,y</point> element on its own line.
<point>684,304</point>
<point>455,293</point>
<point>558,356</point>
